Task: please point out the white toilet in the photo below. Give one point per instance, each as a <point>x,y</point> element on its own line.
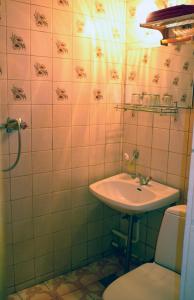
<point>159,280</point>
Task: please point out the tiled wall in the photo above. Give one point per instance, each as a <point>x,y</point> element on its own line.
<point>61,68</point>
<point>160,75</point>
<point>164,145</point>
<point>164,142</point>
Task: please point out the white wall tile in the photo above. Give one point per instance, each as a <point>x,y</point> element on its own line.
<point>41,18</point>
<point>18,14</point>
<point>177,164</point>
<point>41,68</point>
<point>98,114</point>
<point>19,92</point>
<point>82,93</point>
<point>24,166</point>
<point>43,245</point>
<point>80,156</point>
<point>159,160</point>
<point>79,177</point>
<point>42,225</point>
<point>3,92</point>
<point>160,139</point>
<point>61,137</point>
<point>21,111</point>
<point>61,180</point>
<point>84,45</point>
<point>23,251</point>
<point>41,139</point>
<point>81,71</point>
<point>62,22</point>
<point>80,136</point>
<point>80,115</point>
<point>64,5</point>
<point>62,46</point>
<point>41,92</point>
<point>21,187</point>
<point>62,70</point>
<point>96,154</point>
<point>42,183</point>
<point>62,93</point>
<point>61,201</point>
<point>21,65</point>
<point>44,264</point>
<point>3,13</point>
<point>97,134</point>
<point>3,63</point>
<point>18,41</point>
<point>23,230</point>
<point>178,141</point>
<point>144,136</point>
<point>42,161</point>
<point>24,271</point>
<point>113,152</point>
<point>41,116</point>
<point>47,3</point>
<point>62,159</point>
<point>42,205</point>
<point>22,209</point>
<point>26,141</point>
<point>41,43</point>
<point>61,115</point>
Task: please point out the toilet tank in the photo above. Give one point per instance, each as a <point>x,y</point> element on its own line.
<point>170,239</point>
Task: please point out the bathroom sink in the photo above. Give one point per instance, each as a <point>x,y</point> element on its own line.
<point>126,195</point>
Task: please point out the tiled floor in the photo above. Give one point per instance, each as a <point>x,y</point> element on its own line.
<point>81,284</point>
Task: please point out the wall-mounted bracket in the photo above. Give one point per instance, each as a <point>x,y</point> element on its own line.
<point>176,24</point>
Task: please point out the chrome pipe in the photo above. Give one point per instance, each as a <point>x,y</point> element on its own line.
<point>10,126</point>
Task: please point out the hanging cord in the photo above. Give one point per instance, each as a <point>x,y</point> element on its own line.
<point>10,126</point>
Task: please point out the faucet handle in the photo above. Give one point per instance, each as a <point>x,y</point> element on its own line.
<point>147,179</point>
<point>143,180</point>
<point>133,175</point>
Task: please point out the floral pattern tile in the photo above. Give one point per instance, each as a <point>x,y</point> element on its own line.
<point>61,94</point>
<point>81,284</point>
<point>91,292</point>
<point>40,70</point>
<point>14,297</point>
<point>38,292</point>
<point>18,93</point>
<point>63,3</point>
<point>40,19</point>
<point>17,42</point>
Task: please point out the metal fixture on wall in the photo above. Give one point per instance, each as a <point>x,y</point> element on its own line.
<point>162,110</point>
<point>176,23</point>
<point>10,126</point>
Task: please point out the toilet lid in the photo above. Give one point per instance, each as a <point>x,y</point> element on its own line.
<point>148,282</point>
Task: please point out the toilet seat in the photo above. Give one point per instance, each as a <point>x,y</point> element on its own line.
<point>163,284</point>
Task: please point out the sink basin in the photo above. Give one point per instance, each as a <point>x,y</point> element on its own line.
<point>126,195</point>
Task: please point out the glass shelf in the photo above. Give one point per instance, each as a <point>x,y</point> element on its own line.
<point>162,110</point>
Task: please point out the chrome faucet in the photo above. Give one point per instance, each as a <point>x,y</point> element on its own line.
<point>143,180</point>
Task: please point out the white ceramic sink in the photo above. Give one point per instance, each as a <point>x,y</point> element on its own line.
<point>125,194</point>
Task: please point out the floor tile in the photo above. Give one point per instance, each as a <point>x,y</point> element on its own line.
<point>64,284</point>
<point>14,297</point>
<point>92,292</point>
<point>38,292</point>
<point>81,284</point>
<point>77,295</point>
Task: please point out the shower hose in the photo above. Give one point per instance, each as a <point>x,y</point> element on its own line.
<point>10,126</point>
